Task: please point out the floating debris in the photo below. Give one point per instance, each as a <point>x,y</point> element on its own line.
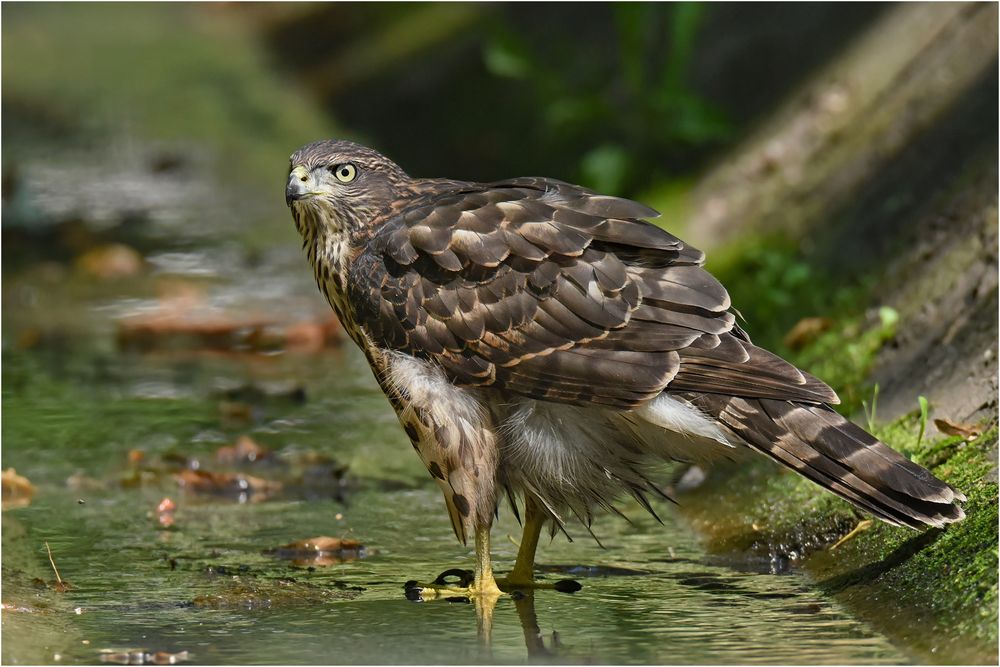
<point>17,490</point>
<point>227,483</point>
<point>60,585</point>
<point>141,656</point>
<point>112,261</point>
<point>165,512</point>
<point>321,551</point>
<point>185,320</point>
<point>245,450</point>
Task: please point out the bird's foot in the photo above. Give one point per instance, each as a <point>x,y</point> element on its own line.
<point>515,586</point>
<point>457,585</point>
<point>453,585</point>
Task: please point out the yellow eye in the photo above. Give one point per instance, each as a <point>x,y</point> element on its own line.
<point>345,173</point>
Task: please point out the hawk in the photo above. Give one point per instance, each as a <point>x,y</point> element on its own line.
<point>540,341</point>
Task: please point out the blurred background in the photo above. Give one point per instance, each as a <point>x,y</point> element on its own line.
<point>163,338</point>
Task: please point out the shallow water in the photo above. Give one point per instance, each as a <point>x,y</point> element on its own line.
<point>205,586</point>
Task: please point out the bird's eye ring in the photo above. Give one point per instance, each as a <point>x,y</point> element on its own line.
<point>345,173</point>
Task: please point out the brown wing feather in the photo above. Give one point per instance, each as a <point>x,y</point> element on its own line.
<point>553,292</point>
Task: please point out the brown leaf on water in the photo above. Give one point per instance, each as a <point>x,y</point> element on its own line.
<point>225,483</point>
<point>141,656</point>
<point>235,412</point>
<point>949,427</point>
<point>111,261</point>
<point>246,450</point>
<point>312,336</point>
<point>185,320</point>
<point>165,512</point>
<point>321,551</point>
<point>17,490</point>
<point>807,330</point>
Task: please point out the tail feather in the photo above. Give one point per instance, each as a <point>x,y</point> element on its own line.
<point>838,455</point>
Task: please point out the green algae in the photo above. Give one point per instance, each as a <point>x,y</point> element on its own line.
<point>933,593</point>
<point>947,578</point>
<point>774,284</point>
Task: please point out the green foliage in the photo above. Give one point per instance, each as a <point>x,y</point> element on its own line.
<point>633,106</point>
<point>922,400</point>
<point>870,414</point>
<point>774,286</point>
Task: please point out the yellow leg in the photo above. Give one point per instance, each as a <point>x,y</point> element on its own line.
<point>483,584</point>
<point>484,588</point>
<point>522,577</point>
<point>523,573</point>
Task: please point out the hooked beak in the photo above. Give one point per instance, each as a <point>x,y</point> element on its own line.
<point>298,185</point>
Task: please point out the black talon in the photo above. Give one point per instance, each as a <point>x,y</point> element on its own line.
<point>465,577</point>
<point>412,583</point>
<point>567,586</point>
<point>413,594</point>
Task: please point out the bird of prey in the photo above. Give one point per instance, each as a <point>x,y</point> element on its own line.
<point>540,341</point>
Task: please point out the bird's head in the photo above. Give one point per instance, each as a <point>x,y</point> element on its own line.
<point>340,185</point>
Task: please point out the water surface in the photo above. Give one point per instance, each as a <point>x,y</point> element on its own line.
<point>204,585</point>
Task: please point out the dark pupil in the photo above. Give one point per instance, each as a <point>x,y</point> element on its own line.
<point>344,172</point>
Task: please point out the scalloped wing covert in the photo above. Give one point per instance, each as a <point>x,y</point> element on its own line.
<point>553,292</point>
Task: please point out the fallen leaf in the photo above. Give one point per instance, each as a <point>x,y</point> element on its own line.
<point>166,505</point>
<point>235,412</point>
<point>312,336</point>
<point>17,490</point>
<point>320,551</point>
<point>141,656</point>
<point>949,427</point>
<point>246,450</point>
<point>110,261</point>
<point>225,483</point>
<point>807,330</point>
<point>165,512</point>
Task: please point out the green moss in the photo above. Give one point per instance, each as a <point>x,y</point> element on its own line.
<point>934,592</point>
<point>947,577</point>
<point>773,284</point>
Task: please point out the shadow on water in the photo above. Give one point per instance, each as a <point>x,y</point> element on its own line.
<point>870,572</point>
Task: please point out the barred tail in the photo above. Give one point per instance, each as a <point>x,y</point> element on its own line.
<point>838,455</point>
